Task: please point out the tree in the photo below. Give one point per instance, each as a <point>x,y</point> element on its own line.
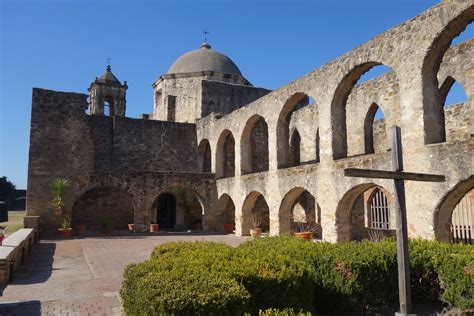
<point>7,191</point>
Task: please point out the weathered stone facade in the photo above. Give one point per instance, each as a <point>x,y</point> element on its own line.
<point>236,147</point>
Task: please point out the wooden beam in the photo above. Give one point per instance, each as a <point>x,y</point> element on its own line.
<point>396,175</point>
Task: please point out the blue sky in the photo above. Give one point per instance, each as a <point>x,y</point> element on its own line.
<point>64,44</point>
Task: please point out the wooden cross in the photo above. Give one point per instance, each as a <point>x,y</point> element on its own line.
<point>398,177</point>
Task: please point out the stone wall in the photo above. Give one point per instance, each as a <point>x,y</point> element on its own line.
<point>59,146</point>
<point>224,98</point>
<point>418,53</point>
<point>150,145</point>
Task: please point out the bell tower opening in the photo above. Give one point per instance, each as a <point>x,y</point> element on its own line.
<point>108,95</point>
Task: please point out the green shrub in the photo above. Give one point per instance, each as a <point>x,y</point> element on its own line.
<point>149,289</point>
<point>443,271</point>
<point>281,275</point>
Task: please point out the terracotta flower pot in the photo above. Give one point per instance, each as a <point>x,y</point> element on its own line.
<point>229,228</point>
<point>131,227</point>
<point>65,233</point>
<point>80,229</point>
<point>255,232</point>
<point>153,228</point>
<point>304,235</point>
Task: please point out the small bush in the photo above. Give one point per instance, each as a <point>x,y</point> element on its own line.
<point>150,289</point>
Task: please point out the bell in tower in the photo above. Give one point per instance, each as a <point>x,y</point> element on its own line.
<point>107,95</point>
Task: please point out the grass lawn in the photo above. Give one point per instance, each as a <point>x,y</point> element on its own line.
<point>15,221</point>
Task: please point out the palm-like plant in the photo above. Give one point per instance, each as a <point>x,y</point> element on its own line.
<point>59,189</point>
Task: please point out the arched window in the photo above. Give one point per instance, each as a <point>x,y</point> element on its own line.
<point>295,147</point>
<point>254,146</point>
<point>204,155</point>
<point>294,103</point>
<point>452,93</point>
<point>107,109</point>
<point>357,75</point>
<point>225,155</point>
<point>458,29</point>
<point>374,129</point>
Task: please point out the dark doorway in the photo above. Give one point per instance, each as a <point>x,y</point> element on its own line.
<point>166,211</point>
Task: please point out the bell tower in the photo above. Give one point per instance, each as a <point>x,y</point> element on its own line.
<point>108,91</point>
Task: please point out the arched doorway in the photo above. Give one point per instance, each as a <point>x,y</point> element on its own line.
<point>166,211</point>
<point>227,210</point>
<point>299,211</point>
<point>178,208</point>
<point>255,214</point>
<point>364,212</point>
<point>454,217</point>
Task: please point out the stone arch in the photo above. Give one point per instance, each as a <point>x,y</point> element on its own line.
<point>307,203</point>
<point>295,148</point>
<point>338,107</point>
<point>225,155</point>
<point>226,209</point>
<point>295,102</point>
<point>444,210</point>
<point>433,113</point>
<point>255,213</point>
<point>351,212</point>
<point>104,207</point>
<point>254,145</point>
<point>369,121</point>
<point>204,156</point>
<point>188,209</point>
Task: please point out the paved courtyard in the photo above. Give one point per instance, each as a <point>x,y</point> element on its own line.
<point>82,276</point>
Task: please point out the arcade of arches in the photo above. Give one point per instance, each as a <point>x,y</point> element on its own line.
<point>275,159</point>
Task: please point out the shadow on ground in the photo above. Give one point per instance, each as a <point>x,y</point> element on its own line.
<point>30,308</point>
<point>38,266</point>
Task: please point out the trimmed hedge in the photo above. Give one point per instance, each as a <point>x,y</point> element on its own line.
<point>282,275</point>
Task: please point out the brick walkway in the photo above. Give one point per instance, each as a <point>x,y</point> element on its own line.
<point>81,276</point>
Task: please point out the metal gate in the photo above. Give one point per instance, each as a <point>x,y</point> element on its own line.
<point>462,220</point>
<point>379,211</point>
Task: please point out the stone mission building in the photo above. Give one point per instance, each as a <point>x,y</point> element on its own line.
<point>216,150</point>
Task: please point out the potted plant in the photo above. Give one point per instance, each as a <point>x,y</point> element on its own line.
<point>65,229</point>
<point>59,190</point>
<point>256,231</point>
<point>229,228</point>
<point>304,229</point>
<point>153,228</point>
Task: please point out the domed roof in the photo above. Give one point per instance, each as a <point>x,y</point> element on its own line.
<point>204,59</point>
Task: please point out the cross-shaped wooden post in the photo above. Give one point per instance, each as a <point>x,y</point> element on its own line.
<point>398,177</point>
